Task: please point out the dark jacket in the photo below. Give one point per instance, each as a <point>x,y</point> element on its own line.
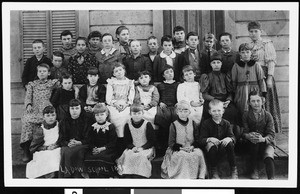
<point>101,93</point>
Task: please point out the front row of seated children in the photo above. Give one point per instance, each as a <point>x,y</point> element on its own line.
<point>62,147</point>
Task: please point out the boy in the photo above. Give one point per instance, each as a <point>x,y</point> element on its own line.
<point>94,40</point>
<point>136,62</point>
<point>166,57</point>
<point>30,67</point>
<point>217,138</point>
<point>57,70</point>
<point>93,92</point>
<point>166,113</point>
<point>179,38</point>
<point>229,56</point>
<point>152,43</point>
<point>191,56</point>
<point>209,41</point>
<point>67,47</point>
<point>190,92</point>
<point>260,133</point>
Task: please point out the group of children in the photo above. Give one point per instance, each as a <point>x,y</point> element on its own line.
<point>118,115</point>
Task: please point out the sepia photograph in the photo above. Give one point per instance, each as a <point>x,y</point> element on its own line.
<point>150,94</point>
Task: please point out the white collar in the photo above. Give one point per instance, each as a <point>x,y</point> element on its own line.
<point>112,50</point>
<point>163,55</point>
<point>169,82</point>
<point>103,127</point>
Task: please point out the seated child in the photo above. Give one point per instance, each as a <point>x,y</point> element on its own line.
<point>139,140</point>
<point>166,57</point>
<point>217,85</point>
<point>179,39</point>
<point>184,159</point>
<point>30,67</point>
<point>67,47</point>
<point>81,62</point>
<point>119,96</point>
<point>166,113</point>
<point>217,137</point>
<point>37,97</point>
<point>229,56</point>
<point>190,92</point>
<point>107,58</point>
<point>136,62</point>
<point>209,41</point>
<point>57,70</point>
<point>102,139</point>
<point>62,96</point>
<point>153,46</point>
<point>191,56</point>
<point>73,141</point>
<point>247,75</point>
<point>46,152</point>
<point>93,92</point>
<point>260,133</point>
<point>94,40</point>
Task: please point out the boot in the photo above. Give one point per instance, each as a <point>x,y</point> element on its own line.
<point>234,172</point>
<point>214,173</point>
<point>26,153</point>
<point>254,174</point>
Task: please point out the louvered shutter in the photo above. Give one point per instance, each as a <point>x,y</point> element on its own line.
<point>33,27</point>
<point>60,21</point>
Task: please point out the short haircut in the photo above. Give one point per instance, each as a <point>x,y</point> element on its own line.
<point>58,54</point>
<point>107,34</point>
<point>254,93</point>
<point>177,29</point>
<point>120,29</point>
<point>151,37</point>
<point>225,34</point>
<point>209,36</point>
<point>214,102</point>
<point>188,68</point>
<point>245,47</point>
<point>100,108</point>
<point>48,109</point>
<point>94,34</point>
<point>136,107</point>
<point>38,41</point>
<point>166,38</point>
<point>134,40</point>
<point>144,73</point>
<point>81,38</point>
<point>66,33</point>
<point>165,68</point>
<point>43,65</point>
<point>65,76</point>
<point>191,34</point>
<point>92,71</point>
<point>118,64</point>
<point>254,25</point>
<point>183,104</point>
<point>74,102</point>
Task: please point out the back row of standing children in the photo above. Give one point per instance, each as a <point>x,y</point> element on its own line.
<point>245,74</point>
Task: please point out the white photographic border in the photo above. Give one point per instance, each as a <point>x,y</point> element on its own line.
<point>291,182</point>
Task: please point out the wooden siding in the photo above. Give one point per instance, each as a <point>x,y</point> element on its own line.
<point>275,26</point>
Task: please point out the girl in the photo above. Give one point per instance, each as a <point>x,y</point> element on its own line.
<point>264,53</point>
<point>139,139</point>
<point>119,96</point>
<point>247,75</point>
<point>62,96</point>
<point>184,159</point>
<point>122,34</point>
<point>147,95</point>
<point>79,64</point>
<point>108,57</point>
<point>102,138</point>
<point>37,97</point>
<point>72,139</point>
<point>46,153</point>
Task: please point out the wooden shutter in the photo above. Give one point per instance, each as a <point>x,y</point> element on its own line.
<point>60,21</point>
<point>34,26</point>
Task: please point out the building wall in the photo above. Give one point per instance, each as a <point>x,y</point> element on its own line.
<point>275,25</point>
